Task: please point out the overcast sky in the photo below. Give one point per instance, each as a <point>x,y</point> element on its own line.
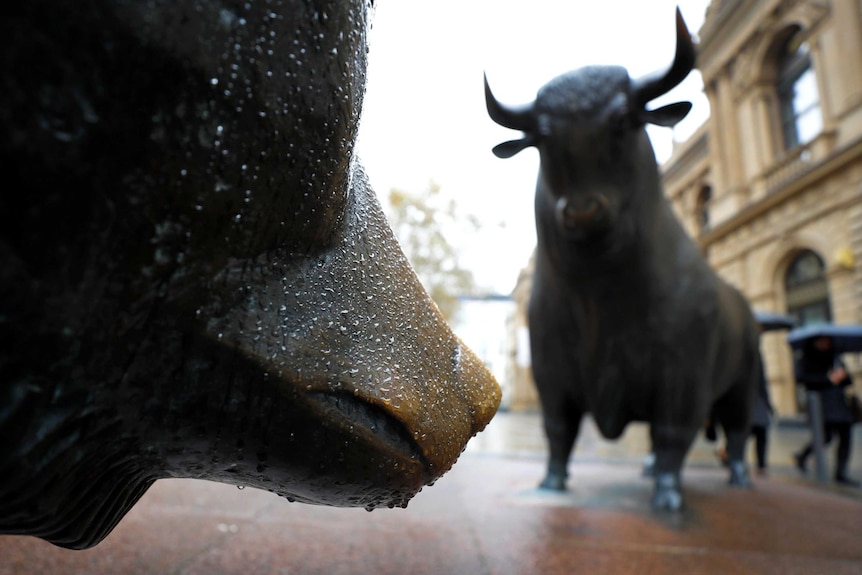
<point>424,114</point>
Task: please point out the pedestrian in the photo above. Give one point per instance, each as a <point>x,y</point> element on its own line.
<point>760,419</point>
<point>821,370</point>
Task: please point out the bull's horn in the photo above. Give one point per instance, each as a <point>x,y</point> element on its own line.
<point>517,118</point>
<point>654,85</point>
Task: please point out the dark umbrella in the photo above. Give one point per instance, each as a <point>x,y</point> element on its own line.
<point>771,321</point>
<point>845,338</point>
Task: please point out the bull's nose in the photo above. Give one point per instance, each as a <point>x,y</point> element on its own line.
<point>573,213</point>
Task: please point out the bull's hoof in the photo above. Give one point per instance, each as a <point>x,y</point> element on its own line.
<point>667,499</point>
<point>553,482</point>
<point>648,469</point>
<point>668,493</point>
<point>739,474</point>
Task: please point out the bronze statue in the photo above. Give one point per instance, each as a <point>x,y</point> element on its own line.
<point>627,320</point>
<point>198,280</point>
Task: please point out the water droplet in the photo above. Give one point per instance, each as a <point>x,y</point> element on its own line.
<point>227,528</point>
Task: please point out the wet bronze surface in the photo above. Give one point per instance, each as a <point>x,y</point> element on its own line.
<point>196,278</point>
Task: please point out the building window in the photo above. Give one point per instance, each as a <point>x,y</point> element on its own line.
<point>807,291</point>
<point>701,208</point>
<point>799,100</point>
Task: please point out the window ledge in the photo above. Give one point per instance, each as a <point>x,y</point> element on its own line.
<point>798,160</point>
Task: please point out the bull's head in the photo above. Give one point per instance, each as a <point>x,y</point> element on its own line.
<point>588,127</point>
<point>197,280</point>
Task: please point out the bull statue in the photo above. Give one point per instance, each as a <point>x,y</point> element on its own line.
<point>627,320</point>
<point>197,279</point>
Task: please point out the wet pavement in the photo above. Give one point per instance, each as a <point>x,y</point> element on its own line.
<point>486,517</point>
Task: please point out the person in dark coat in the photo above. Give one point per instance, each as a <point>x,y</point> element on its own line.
<point>820,369</point>
<point>760,418</point>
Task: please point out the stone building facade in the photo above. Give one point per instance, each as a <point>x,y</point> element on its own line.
<point>771,184</point>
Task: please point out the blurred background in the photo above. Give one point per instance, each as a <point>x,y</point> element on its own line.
<point>765,172</point>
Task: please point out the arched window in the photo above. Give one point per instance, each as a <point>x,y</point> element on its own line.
<point>701,208</point>
<point>798,97</point>
<point>806,289</point>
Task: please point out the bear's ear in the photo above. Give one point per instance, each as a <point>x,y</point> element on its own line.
<point>666,116</point>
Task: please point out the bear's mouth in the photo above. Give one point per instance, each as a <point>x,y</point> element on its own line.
<point>370,421</point>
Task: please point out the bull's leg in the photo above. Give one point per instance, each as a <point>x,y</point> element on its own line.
<point>670,445</point>
<point>561,430</point>
<point>648,469</point>
<point>733,412</point>
<point>736,440</point>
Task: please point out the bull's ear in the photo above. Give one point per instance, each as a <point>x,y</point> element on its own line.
<point>512,147</point>
<point>666,116</point>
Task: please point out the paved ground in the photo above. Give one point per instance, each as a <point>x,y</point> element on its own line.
<point>486,517</point>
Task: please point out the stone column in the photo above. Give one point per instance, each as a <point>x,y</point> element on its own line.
<point>847,18</point>
<point>716,135</point>
<point>730,127</point>
<point>825,83</point>
<point>765,130</point>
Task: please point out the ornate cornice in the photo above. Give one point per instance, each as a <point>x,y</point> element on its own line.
<point>725,29</point>
<point>738,34</point>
